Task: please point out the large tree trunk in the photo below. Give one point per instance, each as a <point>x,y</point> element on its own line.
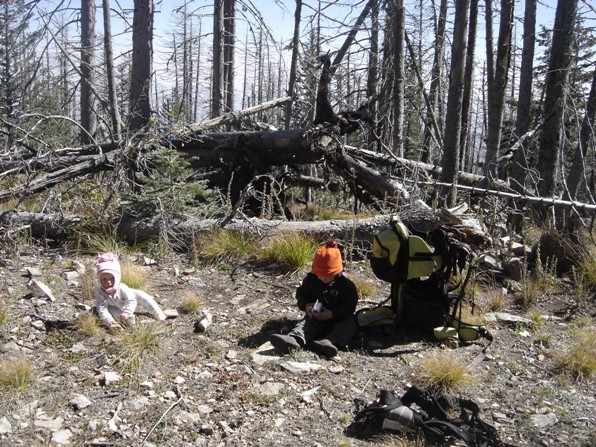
<point>88,121</point>
<point>109,61</point>
<point>142,54</point>
<point>427,152</point>
<point>577,173</point>
<point>229,37</point>
<point>455,99</point>
<point>294,62</point>
<point>524,103</point>
<point>497,99</point>
<point>464,156</point>
<point>551,139</point>
<point>398,79</point>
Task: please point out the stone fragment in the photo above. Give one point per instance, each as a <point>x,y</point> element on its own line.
<point>542,421</point>
<point>204,409</point>
<point>207,429</point>
<point>171,313</point>
<point>300,367</point>
<point>40,289</point>
<point>61,437</point>
<point>509,319</point>
<point>79,267</point>
<point>5,426</point>
<point>38,324</point>
<point>79,401</point>
<point>139,403</point>
<point>489,260</point>
<point>185,418</point>
<point>307,395</point>
<point>271,388</point>
<point>515,269</point>
<point>110,377</point>
<point>33,271</point>
<point>42,420</point>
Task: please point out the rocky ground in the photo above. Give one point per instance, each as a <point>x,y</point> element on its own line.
<point>227,386</point>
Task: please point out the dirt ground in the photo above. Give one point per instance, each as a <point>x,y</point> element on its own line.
<point>227,386</point>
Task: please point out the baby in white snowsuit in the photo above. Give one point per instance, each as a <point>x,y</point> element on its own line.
<point>115,301</point>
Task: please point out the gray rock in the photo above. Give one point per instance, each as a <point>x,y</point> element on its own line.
<point>490,260</point>
<point>5,426</point>
<point>271,388</point>
<point>508,319</point>
<point>300,367</point>
<point>171,313</point>
<point>61,437</point>
<point>43,421</point>
<point>515,269</point>
<point>542,421</point>
<point>184,418</point>
<point>80,401</point>
<point>139,403</point>
<point>70,275</point>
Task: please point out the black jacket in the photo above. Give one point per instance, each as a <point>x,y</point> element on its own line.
<point>339,296</point>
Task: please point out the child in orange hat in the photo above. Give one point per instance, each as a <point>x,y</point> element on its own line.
<point>328,299</point>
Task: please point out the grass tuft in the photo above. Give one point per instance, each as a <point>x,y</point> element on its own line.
<point>3,312</point>
<point>191,304</point>
<point>223,245</point>
<point>292,251</point>
<point>15,374</point>
<point>579,361</point>
<point>365,287</point>
<point>87,325</point>
<point>134,276</point>
<point>137,342</point>
<point>444,372</point>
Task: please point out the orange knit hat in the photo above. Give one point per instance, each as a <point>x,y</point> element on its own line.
<point>327,260</point>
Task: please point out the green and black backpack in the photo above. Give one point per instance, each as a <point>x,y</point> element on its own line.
<point>418,266</point>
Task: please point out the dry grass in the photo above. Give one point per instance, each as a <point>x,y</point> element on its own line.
<point>191,303</point>
<point>579,361</point>
<point>496,300</point>
<point>3,312</point>
<point>290,251</point>
<point>15,374</point>
<point>223,245</point>
<point>87,325</point>
<point>134,276</point>
<point>444,372</point>
<point>365,287</point>
<point>136,342</point>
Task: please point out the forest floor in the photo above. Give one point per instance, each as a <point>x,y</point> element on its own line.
<point>227,386</point>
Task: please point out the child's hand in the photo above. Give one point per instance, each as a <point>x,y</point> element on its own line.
<point>308,310</point>
<point>114,326</point>
<point>124,317</point>
<point>323,315</point>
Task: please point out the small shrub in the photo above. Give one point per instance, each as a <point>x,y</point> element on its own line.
<point>134,276</point>
<point>291,251</point>
<point>101,240</point>
<point>365,287</point>
<point>496,300</point>
<point>444,372</point>
<point>3,312</point>
<point>138,341</point>
<point>190,304</point>
<point>579,361</point>
<point>87,325</point>
<point>15,374</point>
<point>89,284</point>
<point>223,245</point>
